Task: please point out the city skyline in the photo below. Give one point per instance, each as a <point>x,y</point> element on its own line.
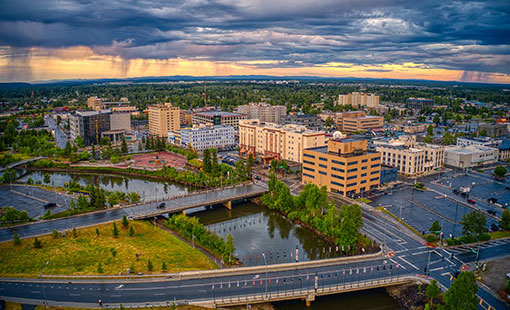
<point>439,40</point>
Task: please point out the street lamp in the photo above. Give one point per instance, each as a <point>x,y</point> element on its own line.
<point>265,262</point>
<point>42,283</point>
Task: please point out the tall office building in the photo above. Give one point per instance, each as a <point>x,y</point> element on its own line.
<point>206,137</point>
<point>264,112</point>
<point>357,99</point>
<point>209,118</point>
<point>419,103</point>
<point>344,166</point>
<point>164,118</point>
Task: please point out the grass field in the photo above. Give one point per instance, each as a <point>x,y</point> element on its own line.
<point>81,255</point>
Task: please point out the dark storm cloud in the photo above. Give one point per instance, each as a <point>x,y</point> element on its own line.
<point>461,35</point>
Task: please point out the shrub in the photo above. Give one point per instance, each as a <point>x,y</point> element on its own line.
<point>149,265</point>
<point>431,238</point>
<point>99,268</point>
<point>55,234</point>
<point>125,222</point>
<point>131,231</point>
<point>115,230</point>
<point>37,243</point>
<point>16,239</point>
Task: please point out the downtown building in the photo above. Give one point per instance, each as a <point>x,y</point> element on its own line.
<point>310,121</point>
<point>211,118</point>
<point>273,141</point>
<point>470,156</point>
<point>419,103</point>
<point>356,121</point>
<point>409,157</point>
<point>91,126</point>
<point>344,166</point>
<point>357,100</point>
<point>164,118</point>
<point>206,137</point>
<point>264,112</point>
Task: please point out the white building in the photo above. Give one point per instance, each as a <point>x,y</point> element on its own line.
<point>479,141</point>
<point>205,137</point>
<point>470,156</point>
<point>411,158</point>
<point>357,99</point>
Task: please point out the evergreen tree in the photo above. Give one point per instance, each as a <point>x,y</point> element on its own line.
<point>75,234</point>
<point>37,243</point>
<point>16,239</point>
<point>214,160</point>
<point>206,162</point>
<point>462,293</point>
<point>124,147</point>
<point>505,219</point>
<point>163,266</point>
<point>432,292</point>
<point>149,265</point>
<point>115,230</point>
<point>125,222</point>
<point>131,231</point>
<point>99,268</point>
<point>93,152</point>
<point>97,232</point>
<point>55,234</point>
<point>435,228</point>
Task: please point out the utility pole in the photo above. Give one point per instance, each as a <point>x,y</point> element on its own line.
<point>428,262</point>
<point>42,284</point>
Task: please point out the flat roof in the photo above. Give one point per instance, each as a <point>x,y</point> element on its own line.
<point>220,113</point>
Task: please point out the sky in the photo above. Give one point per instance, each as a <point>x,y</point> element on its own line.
<point>442,40</point>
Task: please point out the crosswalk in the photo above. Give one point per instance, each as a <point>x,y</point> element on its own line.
<point>468,248</point>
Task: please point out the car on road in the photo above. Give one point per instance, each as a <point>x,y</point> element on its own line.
<point>162,205</point>
<point>472,201</point>
<point>492,200</point>
<point>491,212</point>
<point>508,276</point>
<point>50,205</point>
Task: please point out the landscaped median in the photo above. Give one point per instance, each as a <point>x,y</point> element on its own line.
<point>382,209</point>
<point>139,246</point>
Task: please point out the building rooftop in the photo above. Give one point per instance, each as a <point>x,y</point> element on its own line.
<point>505,145</point>
<point>219,113</point>
<point>469,149</point>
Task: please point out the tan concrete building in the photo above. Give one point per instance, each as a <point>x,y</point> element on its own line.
<point>264,112</point>
<point>357,99</point>
<point>354,121</point>
<point>164,118</point>
<point>410,128</point>
<point>94,103</point>
<point>271,140</point>
<point>345,166</point>
<point>411,158</point>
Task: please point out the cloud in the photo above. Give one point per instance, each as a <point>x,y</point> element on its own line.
<point>470,36</point>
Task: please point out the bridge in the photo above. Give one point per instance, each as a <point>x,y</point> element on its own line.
<point>139,211</point>
<point>223,196</point>
<point>23,162</point>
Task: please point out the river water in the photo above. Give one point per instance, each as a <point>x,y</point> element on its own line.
<point>255,229</point>
<point>147,188</point>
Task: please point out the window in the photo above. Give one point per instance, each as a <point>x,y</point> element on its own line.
<point>336,183</point>
<point>322,166</point>
<point>352,170</point>
<point>377,158</point>
<point>364,168</point>
<point>352,184</point>
<point>364,160</point>
<point>308,175</point>
<point>338,162</point>
<point>323,159</point>
<point>352,177</point>
<point>322,172</point>
<point>309,169</point>
<point>363,182</point>
<point>375,172</point>
<point>375,165</point>
<point>308,162</point>
<point>338,169</point>
<point>363,174</point>
<point>352,163</point>
<point>308,155</point>
<point>374,179</point>
<point>337,176</point>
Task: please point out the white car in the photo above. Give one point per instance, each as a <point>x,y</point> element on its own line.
<point>508,276</point>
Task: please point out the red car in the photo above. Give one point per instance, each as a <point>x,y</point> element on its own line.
<point>471,201</point>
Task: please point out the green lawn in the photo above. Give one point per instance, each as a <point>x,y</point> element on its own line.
<point>500,234</point>
<point>81,255</point>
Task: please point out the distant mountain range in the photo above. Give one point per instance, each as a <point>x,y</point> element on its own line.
<point>176,78</point>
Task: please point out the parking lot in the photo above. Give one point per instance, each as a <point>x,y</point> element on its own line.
<point>32,199</point>
<point>482,187</point>
<point>421,208</point>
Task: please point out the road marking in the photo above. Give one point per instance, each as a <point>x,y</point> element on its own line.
<point>159,294</point>
<point>400,265</point>
<point>445,274</point>
<point>74,294</point>
<point>436,269</point>
<point>418,253</point>
<point>410,264</point>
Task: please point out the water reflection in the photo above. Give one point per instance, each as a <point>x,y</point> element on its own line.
<point>257,230</point>
<point>148,189</point>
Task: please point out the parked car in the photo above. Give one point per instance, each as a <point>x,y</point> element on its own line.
<point>455,191</point>
<point>491,212</point>
<point>50,205</point>
<point>492,200</point>
<point>162,205</point>
<point>471,201</point>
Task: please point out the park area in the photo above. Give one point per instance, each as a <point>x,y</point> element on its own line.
<point>90,253</point>
<point>158,160</point>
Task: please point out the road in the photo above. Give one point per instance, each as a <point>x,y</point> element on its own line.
<point>142,210</point>
<point>60,137</point>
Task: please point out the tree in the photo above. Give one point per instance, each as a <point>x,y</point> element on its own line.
<point>16,239</point>
<point>75,234</point>
<point>99,268</point>
<point>430,130</point>
<point>113,199</point>
<point>432,292</point>
<point>82,202</point>
<point>46,178</point>
<point>436,119</point>
<point>428,139</point>
<point>115,230</point>
<point>249,163</point>
<point>55,234</point>
<point>435,228</point>
<point>229,247</point>
<point>124,147</point>
<point>505,219</point>
<point>104,141</point>
<point>473,223</point>
<point>93,152</point>
<point>351,223</point>
<point>149,265</point>
<point>131,231</point>
<point>68,149</point>
<point>500,171</point>
<point>214,160</point>
<point>206,161</point>
<point>448,139</point>
<point>37,243</point>
<point>462,293</point>
<point>72,204</point>
<point>125,222</point>
<point>163,266</point>
<point>79,142</point>
<point>97,232</point>
<point>133,197</point>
